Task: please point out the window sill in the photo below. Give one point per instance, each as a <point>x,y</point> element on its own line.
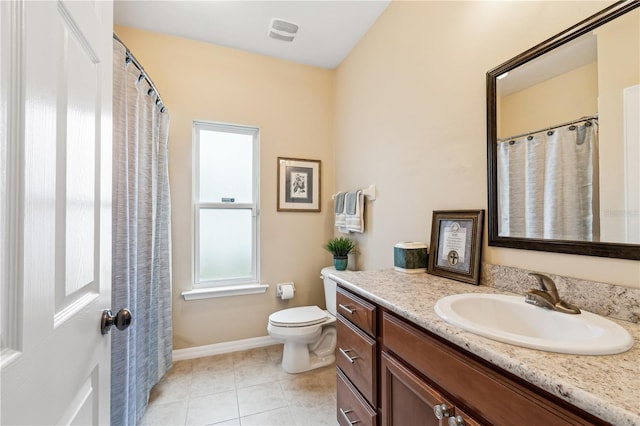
<point>227,291</point>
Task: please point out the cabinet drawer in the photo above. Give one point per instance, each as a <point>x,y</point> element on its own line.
<point>357,310</point>
<point>352,409</point>
<point>356,357</point>
<point>497,398</point>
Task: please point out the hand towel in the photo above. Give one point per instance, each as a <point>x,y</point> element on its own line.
<point>354,211</point>
<point>340,218</point>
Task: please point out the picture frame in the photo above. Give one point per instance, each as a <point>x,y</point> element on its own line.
<point>298,185</point>
<point>456,244</point>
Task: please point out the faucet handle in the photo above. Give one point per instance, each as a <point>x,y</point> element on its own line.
<point>546,283</point>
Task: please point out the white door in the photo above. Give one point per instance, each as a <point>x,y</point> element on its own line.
<point>55,124</point>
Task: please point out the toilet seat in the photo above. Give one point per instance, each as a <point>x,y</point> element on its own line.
<point>302,316</point>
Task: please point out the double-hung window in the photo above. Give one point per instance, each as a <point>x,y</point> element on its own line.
<point>225,180</point>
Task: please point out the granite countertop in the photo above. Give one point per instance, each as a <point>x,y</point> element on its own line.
<point>605,386</point>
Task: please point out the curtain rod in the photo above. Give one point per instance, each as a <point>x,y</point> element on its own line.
<point>144,73</point>
<point>585,118</point>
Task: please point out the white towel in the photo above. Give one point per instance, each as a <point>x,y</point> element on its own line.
<point>354,211</point>
<point>341,219</point>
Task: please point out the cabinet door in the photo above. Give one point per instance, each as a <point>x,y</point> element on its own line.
<point>407,400</point>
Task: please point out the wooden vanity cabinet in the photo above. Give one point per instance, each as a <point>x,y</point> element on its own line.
<point>477,392</point>
<point>418,371</point>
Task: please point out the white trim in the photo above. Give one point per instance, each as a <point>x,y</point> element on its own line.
<point>235,290</point>
<point>12,137</point>
<point>78,34</point>
<point>222,348</point>
<point>73,309</point>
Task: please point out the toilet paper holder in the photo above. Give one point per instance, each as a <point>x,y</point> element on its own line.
<point>279,288</point>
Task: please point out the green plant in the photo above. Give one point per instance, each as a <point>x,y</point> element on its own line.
<point>340,246</point>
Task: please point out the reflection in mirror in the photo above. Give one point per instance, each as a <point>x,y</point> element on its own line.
<point>546,177</point>
<point>564,140</point>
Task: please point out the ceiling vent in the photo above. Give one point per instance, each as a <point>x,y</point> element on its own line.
<point>282,30</point>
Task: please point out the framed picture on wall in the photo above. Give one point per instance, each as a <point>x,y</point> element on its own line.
<point>456,243</point>
<point>298,185</point>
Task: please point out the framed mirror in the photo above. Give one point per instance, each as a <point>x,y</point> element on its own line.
<point>563,141</point>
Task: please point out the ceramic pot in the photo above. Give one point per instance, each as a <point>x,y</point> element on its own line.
<point>340,262</point>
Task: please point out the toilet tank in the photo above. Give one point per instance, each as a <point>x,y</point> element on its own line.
<point>329,290</point>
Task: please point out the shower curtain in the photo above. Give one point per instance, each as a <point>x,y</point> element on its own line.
<point>548,184</point>
<point>141,256</point>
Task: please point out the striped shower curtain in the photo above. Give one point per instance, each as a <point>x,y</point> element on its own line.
<point>141,257</point>
<point>548,184</point>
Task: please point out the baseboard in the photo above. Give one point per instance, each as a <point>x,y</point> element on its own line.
<point>222,348</point>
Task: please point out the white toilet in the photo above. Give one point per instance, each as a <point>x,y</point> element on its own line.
<point>308,332</point>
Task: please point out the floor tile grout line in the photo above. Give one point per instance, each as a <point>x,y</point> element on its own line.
<point>241,362</point>
<point>237,399</point>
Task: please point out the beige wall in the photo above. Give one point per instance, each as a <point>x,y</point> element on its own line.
<point>560,99</point>
<point>410,117</point>
<point>293,107</point>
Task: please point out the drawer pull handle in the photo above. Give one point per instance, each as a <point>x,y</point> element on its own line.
<point>441,411</point>
<point>344,414</point>
<point>456,421</point>
<point>344,352</point>
<point>349,310</point>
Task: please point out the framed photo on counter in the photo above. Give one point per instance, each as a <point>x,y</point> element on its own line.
<point>298,185</point>
<point>456,244</point>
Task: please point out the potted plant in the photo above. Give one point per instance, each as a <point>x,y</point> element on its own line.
<point>340,247</point>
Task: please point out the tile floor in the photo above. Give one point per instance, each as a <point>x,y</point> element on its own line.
<point>242,388</point>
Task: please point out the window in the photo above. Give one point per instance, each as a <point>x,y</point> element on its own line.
<point>225,179</point>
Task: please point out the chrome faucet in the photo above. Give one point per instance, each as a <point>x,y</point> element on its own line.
<point>548,296</point>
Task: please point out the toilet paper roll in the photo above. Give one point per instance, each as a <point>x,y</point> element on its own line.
<point>287,292</point>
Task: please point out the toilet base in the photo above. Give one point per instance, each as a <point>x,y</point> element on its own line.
<point>297,358</point>
<point>306,348</point>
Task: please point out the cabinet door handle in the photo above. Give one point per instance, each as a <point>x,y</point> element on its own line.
<point>346,308</point>
<point>344,352</point>
<point>456,421</point>
<point>344,414</point>
<point>441,411</point>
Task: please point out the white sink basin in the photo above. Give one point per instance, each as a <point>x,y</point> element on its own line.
<point>509,319</point>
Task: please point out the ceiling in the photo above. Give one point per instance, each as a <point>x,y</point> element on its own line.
<point>328,30</point>
<point>567,57</point>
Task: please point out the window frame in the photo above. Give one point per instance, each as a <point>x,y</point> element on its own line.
<point>197,206</point>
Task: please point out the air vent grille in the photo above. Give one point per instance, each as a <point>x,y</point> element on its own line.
<point>279,36</point>
<point>280,25</point>
<point>280,29</point>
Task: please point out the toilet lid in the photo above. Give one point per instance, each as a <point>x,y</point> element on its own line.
<point>298,317</point>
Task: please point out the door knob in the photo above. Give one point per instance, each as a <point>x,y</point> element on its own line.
<point>121,320</point>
